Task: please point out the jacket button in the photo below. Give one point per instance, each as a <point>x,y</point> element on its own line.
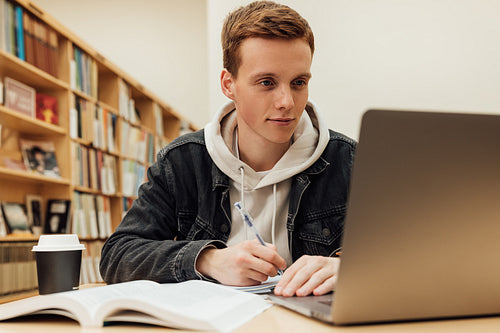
<point>326,232</point>
<point>224,228</point>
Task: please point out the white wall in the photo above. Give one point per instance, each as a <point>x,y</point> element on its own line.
<point>410,54</point>
<point>160,43</point>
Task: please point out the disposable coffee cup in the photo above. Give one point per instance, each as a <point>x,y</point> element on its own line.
<point>58,263</point>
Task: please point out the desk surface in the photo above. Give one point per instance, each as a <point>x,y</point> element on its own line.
<point>275,319</point>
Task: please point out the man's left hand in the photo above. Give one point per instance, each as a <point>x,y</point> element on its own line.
<point>309,274</point>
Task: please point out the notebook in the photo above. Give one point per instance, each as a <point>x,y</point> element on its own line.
<point>422,230</point>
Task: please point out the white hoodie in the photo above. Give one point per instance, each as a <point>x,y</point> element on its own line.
<point>264,194</point>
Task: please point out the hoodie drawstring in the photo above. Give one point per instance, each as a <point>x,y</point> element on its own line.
<point>242,200</point>
<point>242,197</point>
<point>274,214</point>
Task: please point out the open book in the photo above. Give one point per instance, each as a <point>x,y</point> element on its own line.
<point>193,304</point>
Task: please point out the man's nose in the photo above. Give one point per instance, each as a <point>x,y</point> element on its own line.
<point>284,98</point>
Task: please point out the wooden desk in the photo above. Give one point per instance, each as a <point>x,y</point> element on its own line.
<point>275,319</point>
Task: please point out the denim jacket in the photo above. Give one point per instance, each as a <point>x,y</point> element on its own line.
<point>184,207</point>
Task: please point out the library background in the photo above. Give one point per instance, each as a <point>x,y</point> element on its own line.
<point>77,135</point>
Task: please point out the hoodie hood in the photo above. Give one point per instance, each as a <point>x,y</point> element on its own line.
<point>309,140</point>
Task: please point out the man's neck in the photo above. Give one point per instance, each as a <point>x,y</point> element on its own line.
<point>261,156</point>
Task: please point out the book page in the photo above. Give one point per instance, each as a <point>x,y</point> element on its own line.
<point>81,305</point>
<point>93,298</point>
<point>192,305</point>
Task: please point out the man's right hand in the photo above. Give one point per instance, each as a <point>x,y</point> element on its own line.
<point>244,264</point>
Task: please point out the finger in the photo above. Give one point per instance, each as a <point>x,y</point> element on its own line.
<point>256,276</point>
<point>315,280</point>
<point>252,261</point>
<point>263,268</point>
<point>326,287</point>
<point>289,283</point>
<point>288,275</point>
<point>271,256</point>
<point>306,274</point>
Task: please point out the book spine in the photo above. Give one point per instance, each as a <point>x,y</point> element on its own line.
<point>3,36</point>
<point>10,34</point>
<point>28,38</point>
<point>53,45</point>
<point>19,30</point>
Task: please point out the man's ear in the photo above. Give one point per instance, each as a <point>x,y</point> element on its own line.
<point>227,84</point>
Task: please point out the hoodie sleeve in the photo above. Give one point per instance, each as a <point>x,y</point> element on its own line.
<point>144,245</point>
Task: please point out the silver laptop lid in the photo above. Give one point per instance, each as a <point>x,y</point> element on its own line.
<point>422,233</point>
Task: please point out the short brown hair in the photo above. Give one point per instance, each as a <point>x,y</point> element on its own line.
<point>264,19</point>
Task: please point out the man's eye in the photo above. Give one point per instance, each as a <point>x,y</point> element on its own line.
<point>300,83</point>
<point>266,83</point>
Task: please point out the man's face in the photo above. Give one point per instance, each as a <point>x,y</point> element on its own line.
<point>271,88</point>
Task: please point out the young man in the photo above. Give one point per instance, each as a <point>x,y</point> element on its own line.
<point>283,164</point>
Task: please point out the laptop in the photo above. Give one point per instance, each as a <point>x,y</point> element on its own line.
<point>422,230</point>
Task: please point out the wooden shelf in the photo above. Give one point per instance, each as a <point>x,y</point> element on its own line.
<point>107,97</point>
<point>20,122</point>
<point>22,176</point>
<point>12,66</point>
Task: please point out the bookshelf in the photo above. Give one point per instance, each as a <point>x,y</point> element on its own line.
<point>109,127</point>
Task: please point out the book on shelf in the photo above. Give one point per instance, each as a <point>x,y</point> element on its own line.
<point>39,157</point>
<point>123,99</point>
<point>94,169</point>
<point>17,267</point>
<point>3,227</point>
<point>91,215</point>
<point>46,108</point>
<point>158,119</point>
<point>90,262</point>
<point>133,174</point>
<point>101,138</point>
<point>34,212</point>
<point>29,38</point>
<point>194,305</point>
<point>151,148</point>
<point>94,179</point>
<point>77,155</point>
<point>3,22</point>
<point>19,32</point>
<point>83,122</point>
<point>134,142</point>
<point>73,123</point>
<point>90,210</point>
<point>15,217</point>
<point>109,174</point>
<point>20,97</point>
<point>78,219</point>
<point>83,73</point>
<point>52,55</point>
<point>133,114</point>
<point>58,216</point>
<point>103,216</point>
<point>42,52</point>
<point>8,43</point>
<point>111,131</point>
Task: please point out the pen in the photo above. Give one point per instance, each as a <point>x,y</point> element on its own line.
<point>248,220</point>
